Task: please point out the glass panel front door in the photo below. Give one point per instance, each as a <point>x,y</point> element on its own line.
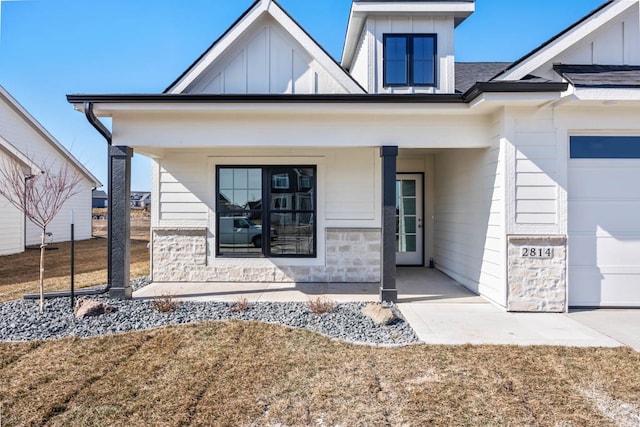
<point>409,231</point>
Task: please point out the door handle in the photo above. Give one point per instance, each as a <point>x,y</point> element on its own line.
<point>419,222</point>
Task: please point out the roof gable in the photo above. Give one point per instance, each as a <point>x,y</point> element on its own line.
<point>608,35</point>
<point>265,52</point>
<point>24,115</point>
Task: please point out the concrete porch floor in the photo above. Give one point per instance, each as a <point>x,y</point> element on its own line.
<point>440,310</point>
<point>415,284</point>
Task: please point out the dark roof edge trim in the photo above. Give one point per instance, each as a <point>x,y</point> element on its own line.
<point>554,38</point>
<point>263,98</point>
<point>512,87</point>
<point>470,95</point>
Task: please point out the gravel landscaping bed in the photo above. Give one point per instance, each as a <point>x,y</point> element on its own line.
<point>22,321</point>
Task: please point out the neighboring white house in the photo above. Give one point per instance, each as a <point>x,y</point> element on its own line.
<point>26,141</point>
<point>520,181</point>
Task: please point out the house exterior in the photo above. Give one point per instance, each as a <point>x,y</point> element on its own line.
<point>516,180</point>
<point>26,141</point>
<point>140,199</point>
<point>99,199</point>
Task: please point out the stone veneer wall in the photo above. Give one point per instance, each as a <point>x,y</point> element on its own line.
<point>537,284</point>
<point>180,255</point>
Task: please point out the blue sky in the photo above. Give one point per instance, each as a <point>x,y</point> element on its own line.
<point>51,48</point>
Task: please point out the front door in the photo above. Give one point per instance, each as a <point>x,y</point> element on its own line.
<point>409,231</point>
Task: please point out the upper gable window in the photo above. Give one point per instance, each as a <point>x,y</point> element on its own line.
<point>409,59</point>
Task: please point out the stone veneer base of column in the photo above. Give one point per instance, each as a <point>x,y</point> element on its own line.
<point>537,284</point>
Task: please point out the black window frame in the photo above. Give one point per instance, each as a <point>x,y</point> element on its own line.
<point>267,211</point>
<point>409,77</point>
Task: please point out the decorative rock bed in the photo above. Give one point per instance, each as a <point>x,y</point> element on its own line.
<point>22,321</point>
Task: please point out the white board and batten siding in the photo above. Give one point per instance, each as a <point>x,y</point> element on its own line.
<point>616,43</point>
<point>378,26</point>
<point>265,60</point>
<point>610,37</point>
<point>604,232</point>
<point>469,242</point>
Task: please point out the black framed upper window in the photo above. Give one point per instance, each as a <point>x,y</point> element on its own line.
<point>604,147</point>
<point>409,59</point>
<point>266,211</point>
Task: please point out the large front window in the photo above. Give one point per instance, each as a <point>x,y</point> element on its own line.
<point>409,60</point>
<point>266,211</point>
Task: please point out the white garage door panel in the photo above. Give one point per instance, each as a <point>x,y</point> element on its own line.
<point>604,251</point>
<point>593,288</point>
<point>604,232</point>
<point>585,180</point>
<point>604,215</point>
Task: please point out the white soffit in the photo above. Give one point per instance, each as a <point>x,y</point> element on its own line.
<point>243,25</point>
<point>567,40</point>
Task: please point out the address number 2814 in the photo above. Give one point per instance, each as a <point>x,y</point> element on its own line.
<point>537,252</point>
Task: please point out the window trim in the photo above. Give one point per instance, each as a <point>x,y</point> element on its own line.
<point>267,210</point>
<point>409,37</point>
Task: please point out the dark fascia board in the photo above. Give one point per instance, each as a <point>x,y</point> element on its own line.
<point>237,21</point>
<point>470,95</point>
<point>263,98</point>
<point>554,38</point>
<point>517,86</point>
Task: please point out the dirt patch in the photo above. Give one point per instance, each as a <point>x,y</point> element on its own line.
<point>140,225</point>
<point>19,273</point>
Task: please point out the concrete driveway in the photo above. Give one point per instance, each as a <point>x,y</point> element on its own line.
<point>441,311</point>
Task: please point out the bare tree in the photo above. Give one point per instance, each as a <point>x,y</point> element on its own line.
<point>40,197</point>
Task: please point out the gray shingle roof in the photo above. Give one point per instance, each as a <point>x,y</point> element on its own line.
<point>470,73</point>
<point>602,76</point>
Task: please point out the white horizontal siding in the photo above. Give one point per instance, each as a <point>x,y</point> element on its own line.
<point>31,143</point>
<point>183,189</point>
<point>351,185</point>
<point>469,218</point>
<point>348,186</point>
<point>11,229</point>
<point>536,169</point>
<point>60,227</point>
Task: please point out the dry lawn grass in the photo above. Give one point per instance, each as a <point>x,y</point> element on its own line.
<point>19,272</point>
<point>242,373</point>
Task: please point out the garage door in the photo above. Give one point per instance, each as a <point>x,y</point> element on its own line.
<point>604,222</point>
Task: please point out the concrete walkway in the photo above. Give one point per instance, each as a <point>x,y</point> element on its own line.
<point>440,311</point>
